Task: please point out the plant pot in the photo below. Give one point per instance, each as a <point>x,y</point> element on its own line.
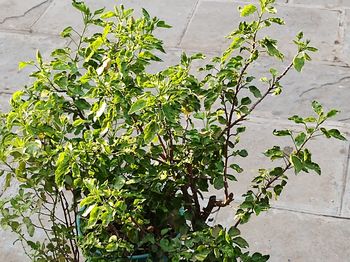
<point>135,258</point>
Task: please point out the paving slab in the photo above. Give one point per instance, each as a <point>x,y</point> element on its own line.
<point>328,84</point>
<point>21,15</point>
<point>173,13</point>
<point>304,192</point>
<point>21,47</point>
<point>346,47</point>
<point>323,3</point>
<point>294,237</point>
<point>4,102</point>
<point>9,250</point>
<point>213,20</point>
<point>345,207</point>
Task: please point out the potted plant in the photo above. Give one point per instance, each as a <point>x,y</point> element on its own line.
<point>115,161</point>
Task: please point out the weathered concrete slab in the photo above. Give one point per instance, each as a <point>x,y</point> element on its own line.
<point>173,13</point>
<point>330,85</point>
<point>21,47</point>
<point>323,3</point>
<point>21,15</point>
<point>4,102</point>
<point>305,192</point>
<point>293,237</point>
<point>345,210</point>
<point>10,251</point>
<point>345,54</point>
<point>209,27</point>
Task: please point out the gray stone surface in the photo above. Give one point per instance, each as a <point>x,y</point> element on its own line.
<point>9,250</point>
<point>21,47</point>
<point>21,14</point>
<point>345,51</point>
<point>4,102</point>
<point>323,3</point>
<point>309,221</point>
<point>176,15</point>
<point>305,192</point>
<point>208,27</point>
<point>294,236</point>
<point>327,84</point>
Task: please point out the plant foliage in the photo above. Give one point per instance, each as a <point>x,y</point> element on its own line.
<point>129,153</point>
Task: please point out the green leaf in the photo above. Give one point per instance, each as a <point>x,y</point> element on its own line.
<point>145,13</point>
<point>298,63</point>
<point>79,122</point>
<point>300,139</point>
<point>119,182</point>
<point>82,104</point>
<point>336,134</point>
<point>240,242</point>
<point>210,99</point>
<point>67,32</point>
<point>101,110</point>
<point>332,113</point>
<point>81,7</point>
<point>282,132</point>
<point>270,45</point>
<point>255,91</point>
<point>94,215</point>
<point>277,171</point>
<point>300,35</point>
<point>39,58</point>
<point>7,181</point>
<point>247,10</point>
<point>274,153</point>
<point>246,101</point>
<point>163,24</point>
<point>313,166</point>
<point>278,189</point>
<point>218,183</point>
<point>233,231</point>
<point>317,107</point>
<point>297,163</point>
<point>312,49</point>
<point>108,14</point>
<point>237,168</point>
<point>169,112</point>
<point>276,20</point>
<point>29,225</point>
<point>22,65</point>
<point>242,153</point>
<point>150,131</point>
<point>138,105</point>
<point>99,11</point>
<point>62,165</point>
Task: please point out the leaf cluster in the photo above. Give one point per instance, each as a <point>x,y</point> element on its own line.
<point>115,161</point>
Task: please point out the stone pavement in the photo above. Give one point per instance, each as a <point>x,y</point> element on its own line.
<point>311,221</point>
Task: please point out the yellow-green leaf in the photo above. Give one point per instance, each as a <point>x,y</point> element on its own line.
<point>247,10</point>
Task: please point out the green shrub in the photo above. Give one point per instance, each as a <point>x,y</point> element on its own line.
<point>131,153</point>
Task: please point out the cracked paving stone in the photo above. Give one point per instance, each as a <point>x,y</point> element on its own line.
<point>21,15</point>
<point>330,85</point>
